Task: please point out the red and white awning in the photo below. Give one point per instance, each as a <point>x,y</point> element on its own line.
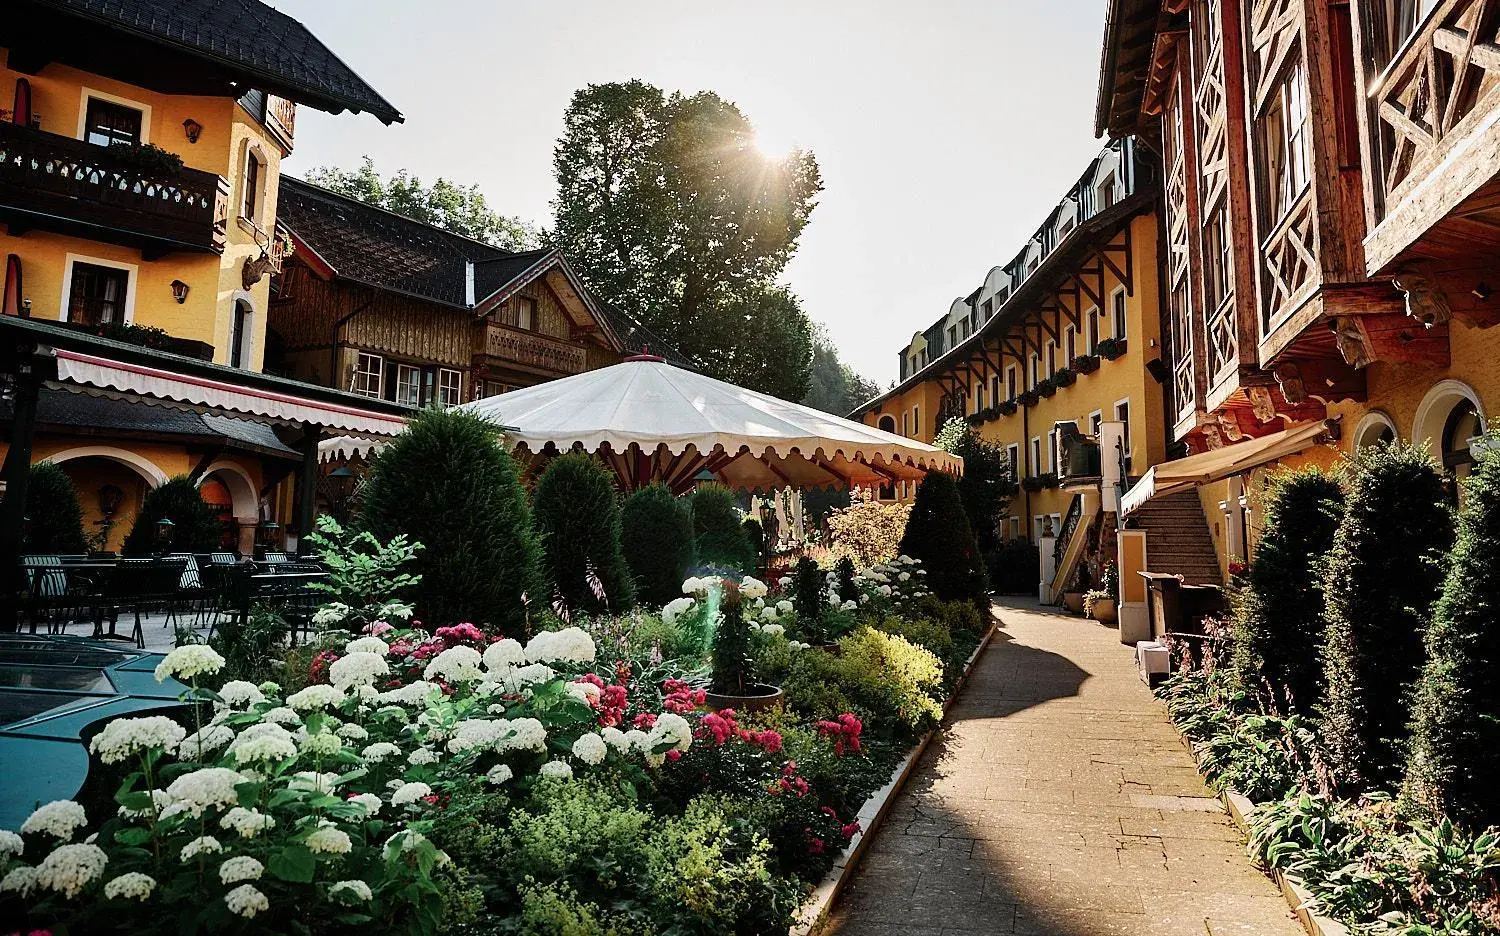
<point>74,367</point>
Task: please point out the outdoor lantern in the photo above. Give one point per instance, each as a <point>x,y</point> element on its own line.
<point>192,128</point>
<point>179,291</point>
<point>164,531</point>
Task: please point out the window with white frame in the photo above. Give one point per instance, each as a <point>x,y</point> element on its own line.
<point>450,384</point>
<point>1034,468</point>
<point>369,375</point>
<point>1052,451</point>
<point>978,396</point>
<point>1010,382</point>
<point>408,384</point>
<point>1013,458</point>
<point>107,123</point>
<point>97,294</point>
<point>1118,300</point>
<point>916,422</point>
<point>1283,141</point>
<point>1096,420</point>
<point>1070,345</point>
<point>1036,370</point>
<point>250,195</point>
<point>1122,415</point>
<point>1091,323</point>
<point>1051,354</point>
<point>995,398</point>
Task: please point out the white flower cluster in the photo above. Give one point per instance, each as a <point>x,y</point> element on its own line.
<point>368,644</point>
<point>205,741</point>
<point>753,588</point>
<point>329,840</point>
<point>380,751</point>
<point>11,844</point>
<point>590,748</point>
<point>556,769</point>
<point>20,880</point>
<point>59,819</point>
<point>356,890</point>
<point>413,693</point>
<point>456,664</point>
<point>205,789</point>
<point>671,729</point>
<point>701,586</point>
<point>360,667</point>
<point>372,803</point>
<point>504,654</point>
<point>240,868</point>
<point>237,694</point>
<point>189,662</point>
<point>265,742</point>
<point>331,614</point>
<point>202,845</point>
<point>676,608</point>
<point>133,885</point>
<point>315,697</point>
<point>409,793</point>
<point>246,901</point>
<point>125,737</point>
<point>71,868</point>
<point>247,822</point>
<point>571,645</point>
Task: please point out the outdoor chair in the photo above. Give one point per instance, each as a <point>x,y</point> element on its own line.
<point>137,587</point>
<point>47,597</point>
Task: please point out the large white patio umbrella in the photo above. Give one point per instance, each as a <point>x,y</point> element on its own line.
<point>651,421</point>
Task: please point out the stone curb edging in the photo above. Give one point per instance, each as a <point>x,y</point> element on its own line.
<point>1240,808</point>
<point>815,909</point>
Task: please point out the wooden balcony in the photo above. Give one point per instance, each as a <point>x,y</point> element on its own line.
<point>504,347</point>
<point>1431,136</point>
<point>61,184</point>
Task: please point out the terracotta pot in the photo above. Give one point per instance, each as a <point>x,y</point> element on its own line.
<point>1104,611</point>
<point>762,697</point>
<point>1073,602</point>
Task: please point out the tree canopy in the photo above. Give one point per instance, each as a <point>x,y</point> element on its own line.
<point>445,204</point>
<point>669,209</point>
<point>833,386</point>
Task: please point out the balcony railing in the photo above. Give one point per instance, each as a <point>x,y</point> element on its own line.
<point>1441,85</point>
<point>530,349</point>
<point>48,180</point>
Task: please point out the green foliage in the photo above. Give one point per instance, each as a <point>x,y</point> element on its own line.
<point>252,649</point>
<point>719,539</point>
<point>54,521</point>
<point>986,486</point>
<point>666,206</point>
<point>1014,567</point>
<point>195,527</point>
<point>833,386</point>
<point>443,204</point>
<point>1455,755</point>
<point>366,579</point>
<point>578,518</point>
<point>895,675</point>
<point>1278,623</point>
<point>844,569</point>
<point>731,658</point>
<point>807,590</point>
<point>656,536</point>
<point>938,534</point>
<point>1381,578</point>
<point>756,534</point>
<point>447,483</point>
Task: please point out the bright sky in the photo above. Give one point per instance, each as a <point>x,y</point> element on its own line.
<point>945,130</point>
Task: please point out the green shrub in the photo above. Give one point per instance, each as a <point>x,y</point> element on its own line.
<point>707,874</point>
<point>755,534</point>
<point>844,569</point>
<point>720,540</point>
<point>54,521</point>
<point>731,657</point>
<point>1380,581</point>
<point>1455,756</point>
<point>656,536</point>
<point>987,484</point>
<point>577,517</point>
<point>195,527</point>
<point>253,650</point>
<point>893,675</point>
<point>926,633</point>
<point>1014,567</point>
<point>807,590</point>
<point>1278,623</point>
<point>448,484</point>
<point>939,535</point>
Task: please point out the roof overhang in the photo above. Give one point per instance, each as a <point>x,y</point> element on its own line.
<point>1218,464</point>
<point>1129,37</point>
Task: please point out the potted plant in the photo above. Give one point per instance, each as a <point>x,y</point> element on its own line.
<point>1049,480</point>
<point>1073,594</point>
<point>1111,348</point>
<point>732,685</point>
<point>1046,387</point>
<point>1029,398</point>
<point>974,419</point>
<point>1007,408</point>
<point>147,158</point>
<point>1099,605</point>
<point>1032,483</point>
<point>1084,364</point>
<point>1064,378</point>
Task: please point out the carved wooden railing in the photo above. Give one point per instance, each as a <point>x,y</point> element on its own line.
<point>281,119</point>
<point>1444,80</point>
<point>47,175</point>
<point>1289,261</point>
<point>1222,340</point>
<point>531,349</point>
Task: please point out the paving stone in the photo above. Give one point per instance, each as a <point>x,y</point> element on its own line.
<point>1057,800</point>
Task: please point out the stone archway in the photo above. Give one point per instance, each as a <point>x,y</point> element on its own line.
<point>243,498</point>
<point>111,484</point>
<point>1374,428</point>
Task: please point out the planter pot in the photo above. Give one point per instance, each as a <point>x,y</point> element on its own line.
<point>1073,602</point>
<point>1104,611</point>
<point>762,697</point>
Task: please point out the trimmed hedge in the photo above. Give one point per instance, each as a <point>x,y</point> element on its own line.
<point>656,537</point>
<point>54,519</point>
<point>939,535</point>
<point>720,539</point>
<point>195,525</point>
<point>578,519</point>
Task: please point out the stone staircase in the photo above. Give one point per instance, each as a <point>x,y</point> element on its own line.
<point>1177,539</point>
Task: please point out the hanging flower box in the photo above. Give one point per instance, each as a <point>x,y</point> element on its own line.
<point>1029,397</point>
<point>1085,364</point>
<point>1111,348</point>
<point>1046,387</point>
<point>974,419</point>
<point>990,413</point>
<point>1049,480</point>
<point>1064,378</point>
<point>1032,484</point>
<point>1008,407</point>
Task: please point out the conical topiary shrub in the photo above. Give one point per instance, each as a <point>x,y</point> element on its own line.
<point>1455,747</point>
<point>720,540</point>
<point>807,590</point>
<point>577,517</point>
<point>448,485</point>
<point>1381,578</point>
<point>1278,624</point>
<point>656,536</point>
<point>54,521</point>
<point>939,535</point>
<point>195,527</point>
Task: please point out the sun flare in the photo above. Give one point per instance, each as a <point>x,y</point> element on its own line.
<point>773,147</point>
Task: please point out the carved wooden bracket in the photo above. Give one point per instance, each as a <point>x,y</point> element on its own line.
<point>1261,403</point>
<point>1289,379</point>
<point>1394,339</point>
<point>1425,302</point>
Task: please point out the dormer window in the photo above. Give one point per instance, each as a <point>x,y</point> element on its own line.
<point>107,123</point>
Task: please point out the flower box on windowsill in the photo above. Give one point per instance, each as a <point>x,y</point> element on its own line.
<point>1111,348</point>
<point>1032,484</point>
<point>1029,398</point>
<point>1049,480</point>
<point>1046,387</point>
<point>1085,363</point>
<point>1064,378</point>
<point>974,419</point>
<point>1008,408</point>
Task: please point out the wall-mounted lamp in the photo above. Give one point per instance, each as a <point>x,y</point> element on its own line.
<point>192,128</point>
<point>1482,292</point>
<point>179,291</point>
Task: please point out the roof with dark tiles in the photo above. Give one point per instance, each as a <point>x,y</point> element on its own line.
<point>266,47</point>
<point>61,409</point>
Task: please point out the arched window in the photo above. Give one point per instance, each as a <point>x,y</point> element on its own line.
<point>1376,428</point>
<point>1461,425</point>
<point>888,424</point>
<point>240,334</point>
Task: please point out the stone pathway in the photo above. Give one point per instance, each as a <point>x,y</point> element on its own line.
<point>1058,800</point>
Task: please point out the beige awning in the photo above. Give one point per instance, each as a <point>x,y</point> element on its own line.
<point>1226,462</point>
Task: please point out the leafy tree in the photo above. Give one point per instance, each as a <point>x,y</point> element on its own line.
<point>939,535</point>
<point>719,538</point>
<point>1455,753</point>
<point>578,518</point>
<point>667,207</point>
<point>448,484</point>
<point>445,204</point>
<point>195,527</point>
<point>986,486</point>
<point>656,535</point>
<point>1278,624</point>
<point>833,386</point>
<point>1380,580</point>
<point>54,521</point>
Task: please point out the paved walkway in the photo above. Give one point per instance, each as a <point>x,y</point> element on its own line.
<point>1058,801</point>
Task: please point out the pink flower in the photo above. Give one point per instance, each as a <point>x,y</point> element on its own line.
<point>849,830</point>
